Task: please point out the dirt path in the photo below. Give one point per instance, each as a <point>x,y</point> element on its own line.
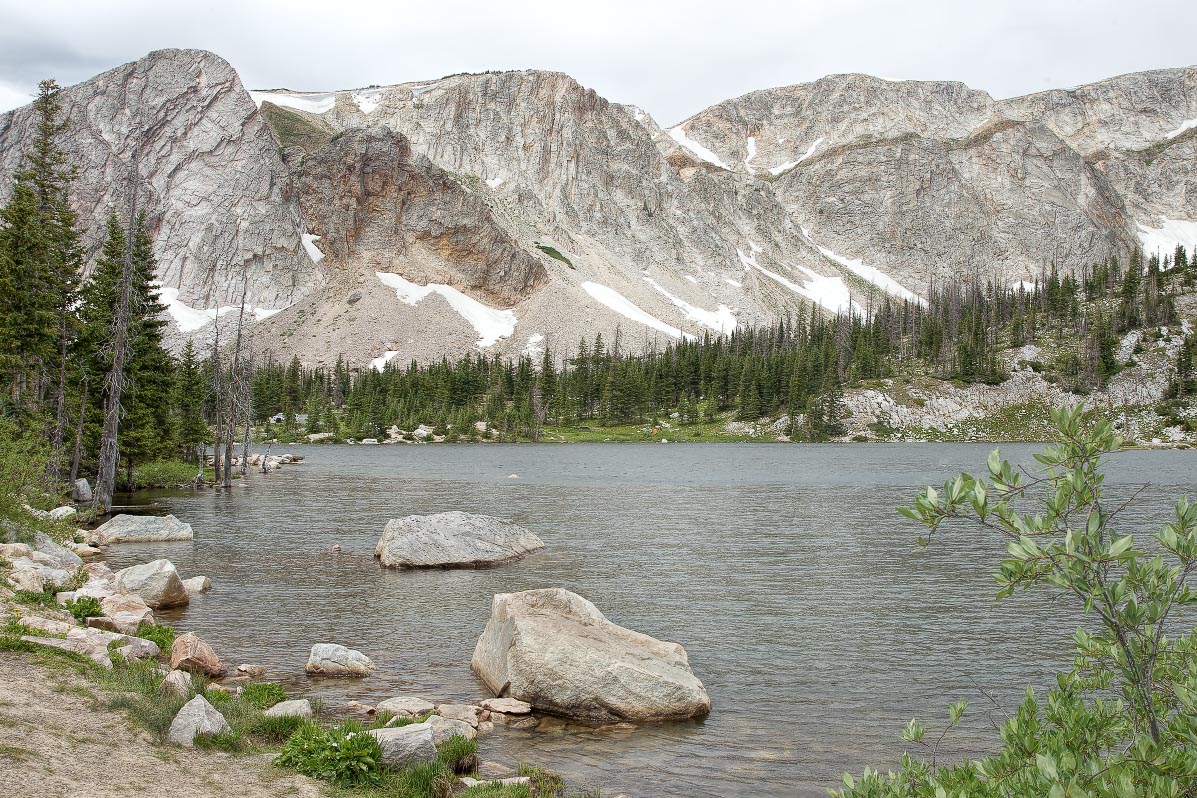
<point>55,742</point>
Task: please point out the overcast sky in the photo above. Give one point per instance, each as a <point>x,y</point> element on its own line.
<point>671,58</point>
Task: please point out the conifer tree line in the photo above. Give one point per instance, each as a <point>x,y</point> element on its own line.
<point>796,367</point>
<point>84,363</point>
<point>83,359</point>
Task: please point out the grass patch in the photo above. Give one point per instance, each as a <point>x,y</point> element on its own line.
<point>31,599</point>
<point>161,474</point>
<point>458,753</point>
<point>160,634</point>
<point>552,252</point>
<point>263,694</point>
<point>497,790</point>
<point>294,130</point>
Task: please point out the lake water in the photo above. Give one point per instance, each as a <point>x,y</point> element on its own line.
<point>816,625</point>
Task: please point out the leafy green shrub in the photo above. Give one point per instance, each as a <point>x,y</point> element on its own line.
<point>345,756</point>
<point>263,694</point>
<point>1122,721</point>
<point>84,608</point>
<point>161,634</point>
<point>460,754</point>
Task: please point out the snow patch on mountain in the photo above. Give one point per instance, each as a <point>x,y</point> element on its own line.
<point>380,363</point>
<point>490,323</point>
<point>494,182</point>
<point>722,321</point>
<point>678,134</point>
<point>309,245</point>
<point>869,273</point>
<point>1163,240</point>
<point>1188,124</point>
<point>751,146</point>
<point>535,346</point>
<point>628,309</point>
<point>367,99</point>
<point>776,170</point>
<point>316,103</point>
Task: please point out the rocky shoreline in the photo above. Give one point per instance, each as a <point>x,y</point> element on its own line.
<point>543,653</point>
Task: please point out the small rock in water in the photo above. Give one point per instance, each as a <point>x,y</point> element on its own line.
<point>406,706</point>
<point>336,547</point>
<point>253,671</point>
<point>513,476</point>
<point>330,659</point>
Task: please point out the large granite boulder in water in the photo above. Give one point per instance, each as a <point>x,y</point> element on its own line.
<point>453,540</point>
<point>556,651</point>
<point>143,529</point>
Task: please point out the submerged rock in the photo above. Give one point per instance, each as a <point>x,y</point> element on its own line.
<point>453,540</point>
<point>157,583</point>
<point>143,529</point>
<point>554,650</point>
<point>330,659</point>
<point>197,584</point>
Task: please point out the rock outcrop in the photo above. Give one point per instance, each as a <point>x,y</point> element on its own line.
<point>143,529</point>
<point>554,650</point>
<point>453,540</point>
<point>506,212</point>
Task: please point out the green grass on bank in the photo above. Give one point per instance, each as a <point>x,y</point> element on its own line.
<point>161,474</point>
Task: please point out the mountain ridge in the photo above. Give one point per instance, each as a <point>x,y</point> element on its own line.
<point>837,192</point>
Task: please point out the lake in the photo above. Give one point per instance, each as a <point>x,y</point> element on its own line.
<point>817,626</point>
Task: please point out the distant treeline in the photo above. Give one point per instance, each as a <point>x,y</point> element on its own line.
<point>796,366</point>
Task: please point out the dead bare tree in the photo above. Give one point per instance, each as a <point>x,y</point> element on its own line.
<point>235,379</point>
<point>115,380</point>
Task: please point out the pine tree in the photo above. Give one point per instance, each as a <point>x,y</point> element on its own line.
<point>190,388</point>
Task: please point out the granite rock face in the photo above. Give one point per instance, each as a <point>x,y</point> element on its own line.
<point>218,196</point>
<point>522,210</point>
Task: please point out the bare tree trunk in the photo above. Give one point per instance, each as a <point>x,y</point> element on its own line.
<point>79,435</point>
<point>114,383</point>
<point>234,379</point>
<point>218,389</point>
<point>59,405</point>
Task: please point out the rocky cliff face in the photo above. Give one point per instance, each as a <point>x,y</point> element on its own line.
<point>514,210</point>
<point>218,196</point>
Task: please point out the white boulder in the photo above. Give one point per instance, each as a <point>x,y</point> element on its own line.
<point>554,650</point>
<point>405,745</point>
<point>196,717</point>
<point>444,728</point>
<point>143,529</point>
<point>197,584</point>
<point>453,540</point>
<point>157,583</point>
<point>330,659</point>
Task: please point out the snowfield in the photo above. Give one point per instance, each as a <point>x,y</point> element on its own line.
<point>628,309</point>
<point>1188,124</point>
<point>776,170</point>
<point>722,321</point>
<point>309,245</point>
<point>316,103</point>
<point>1163,240</point>
<point>869,273</point>
<point>367,99</point>
<point>379,363</point>
<point>490,323</point>
<point>678,134</point>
